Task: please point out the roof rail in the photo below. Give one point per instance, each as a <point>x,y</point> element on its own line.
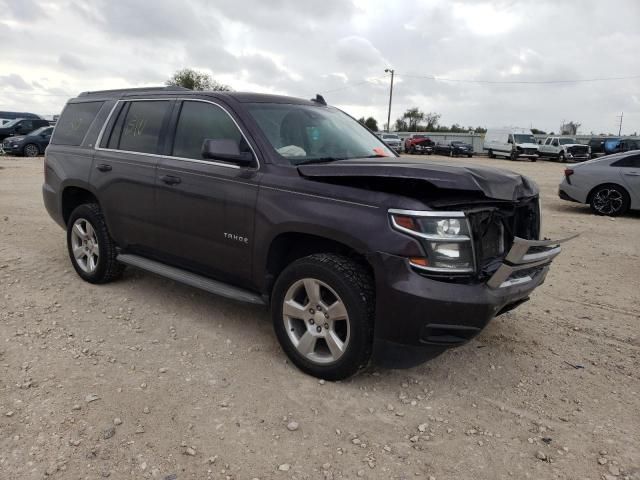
<point>133,90</point>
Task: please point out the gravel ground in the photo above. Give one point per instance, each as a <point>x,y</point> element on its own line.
<point>145,378</point>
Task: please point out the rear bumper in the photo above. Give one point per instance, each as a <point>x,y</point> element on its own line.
<point>418,317</point>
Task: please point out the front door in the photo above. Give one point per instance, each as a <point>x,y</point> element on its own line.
<point>206,208</point>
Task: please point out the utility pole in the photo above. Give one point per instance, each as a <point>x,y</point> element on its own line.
<point>620,127</point>
<point>389,70</point>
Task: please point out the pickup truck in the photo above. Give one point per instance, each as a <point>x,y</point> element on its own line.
<point>564,149</point>
<point>361,256</point>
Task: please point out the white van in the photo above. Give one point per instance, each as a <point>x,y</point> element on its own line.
<point>512,143</point>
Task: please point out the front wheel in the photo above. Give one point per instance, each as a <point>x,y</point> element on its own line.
<point>514,156</point>
<point>91,248</point>
<point>610,199</point>
<point>561,157</point>
<point>322,309</point>
<point>31,150</point>
<point>491,154</point>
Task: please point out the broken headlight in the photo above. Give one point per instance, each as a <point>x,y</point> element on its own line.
<point>445,237</point>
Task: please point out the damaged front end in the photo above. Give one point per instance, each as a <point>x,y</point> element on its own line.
<point>502,249</point>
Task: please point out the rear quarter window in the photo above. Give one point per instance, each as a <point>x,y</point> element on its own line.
<point>75,122</point>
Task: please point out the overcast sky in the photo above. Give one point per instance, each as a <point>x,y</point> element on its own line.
<point>54,49</point>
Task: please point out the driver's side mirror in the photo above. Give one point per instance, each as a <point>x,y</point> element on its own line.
<point>226,150</point>
<point>509,141</point>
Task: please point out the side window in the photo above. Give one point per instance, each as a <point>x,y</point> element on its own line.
<point>548,141</point>
<point>632,161</point>
<point>555,142</point>
<point>26,126</point>
<point>199,121</point>
<point>138,126</point>
<point>74,122</point>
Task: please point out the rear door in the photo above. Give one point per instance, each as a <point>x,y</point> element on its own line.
<point>629,168</point>
<point>206,208</point>
<point>124,169</point>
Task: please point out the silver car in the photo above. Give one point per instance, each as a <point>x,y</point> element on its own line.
<point>610,185</point>
<point>392,140</point>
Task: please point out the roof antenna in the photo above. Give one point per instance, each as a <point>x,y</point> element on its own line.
<point>319,99</point>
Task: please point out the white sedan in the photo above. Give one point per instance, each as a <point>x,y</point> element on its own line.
<point>610,185</point>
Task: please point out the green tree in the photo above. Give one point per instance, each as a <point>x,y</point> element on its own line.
<point>195,80</point>
<point>401,125</point>
<point>413,117</point>
<point>371,123</point>
<point>431,120</point>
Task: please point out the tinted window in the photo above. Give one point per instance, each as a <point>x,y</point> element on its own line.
<point>26,126</point>
<point>138,126</point>
<point>632,161</point>
<point>74,123</point>
<point>199,121</point>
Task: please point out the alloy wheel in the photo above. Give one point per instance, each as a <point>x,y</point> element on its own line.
<point>316,321</point>
<point>84,244</point>
<point>608,201</point>
<point>31,150</point>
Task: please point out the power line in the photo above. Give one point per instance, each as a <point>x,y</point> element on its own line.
<point>351,85</point>
<point>518,82</point>
<point>12,92</point>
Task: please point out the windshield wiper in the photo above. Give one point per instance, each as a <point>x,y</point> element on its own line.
<point>320,160</point>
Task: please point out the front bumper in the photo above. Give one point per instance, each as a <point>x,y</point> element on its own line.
<point>418,316</point>
<point>10,149</point>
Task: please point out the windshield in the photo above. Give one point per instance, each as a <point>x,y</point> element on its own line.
<point>524,138</point>
<point>11,123</point>
<point>566,141</point>
<point>391,137</point>
<point>308,134</point>
<point>40,131</point>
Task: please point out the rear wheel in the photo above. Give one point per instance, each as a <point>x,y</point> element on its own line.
<point>31,150</point>
<point>609,199</point>
<point>322,309</point>
<point>491,154</point>
<point>91,248</point>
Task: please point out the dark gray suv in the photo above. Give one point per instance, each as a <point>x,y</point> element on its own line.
<point>291,203</point>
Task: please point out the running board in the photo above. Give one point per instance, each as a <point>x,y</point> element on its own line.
<point>191,279</point>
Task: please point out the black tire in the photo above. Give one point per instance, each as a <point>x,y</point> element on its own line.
<point>30,150</point>
<point>491,154</point>
<point>609,190</point>
<point>514,156</point>
<point>451,152</point>
<point>107,268</point>
<point>470,155</point>
<point>561,157</point>
<point>355,288</point>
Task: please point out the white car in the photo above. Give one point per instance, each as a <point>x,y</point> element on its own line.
<point>512,143</point>
<point>610,185</point>
<point>564,149</point>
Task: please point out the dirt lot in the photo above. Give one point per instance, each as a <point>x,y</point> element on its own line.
<point>144,378</point>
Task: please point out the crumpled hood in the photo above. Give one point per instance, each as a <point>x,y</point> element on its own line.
<point>493,183</point>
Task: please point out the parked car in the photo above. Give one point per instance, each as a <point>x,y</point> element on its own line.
<point>418,143</point>
<point>291,203</point>
<point>597,145</point>
<point>610,185</point>
<point>6,117</point>
<point>453,149</point>
<point>511,143</point>
<point>392,140</point>
<point>21,126</point>
<point>30,145</point>
<point>564,149</point>
<point>618,145</point>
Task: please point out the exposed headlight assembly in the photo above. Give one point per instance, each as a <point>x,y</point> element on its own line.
<point>445,237</point>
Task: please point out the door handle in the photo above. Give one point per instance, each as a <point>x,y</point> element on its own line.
<point>103,167</point>
<point>170,179</point>
<point>633,174</point>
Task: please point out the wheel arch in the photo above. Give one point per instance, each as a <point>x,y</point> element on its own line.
<point>289,246</point>
<point>617,185</point>
<point>74,196</point>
